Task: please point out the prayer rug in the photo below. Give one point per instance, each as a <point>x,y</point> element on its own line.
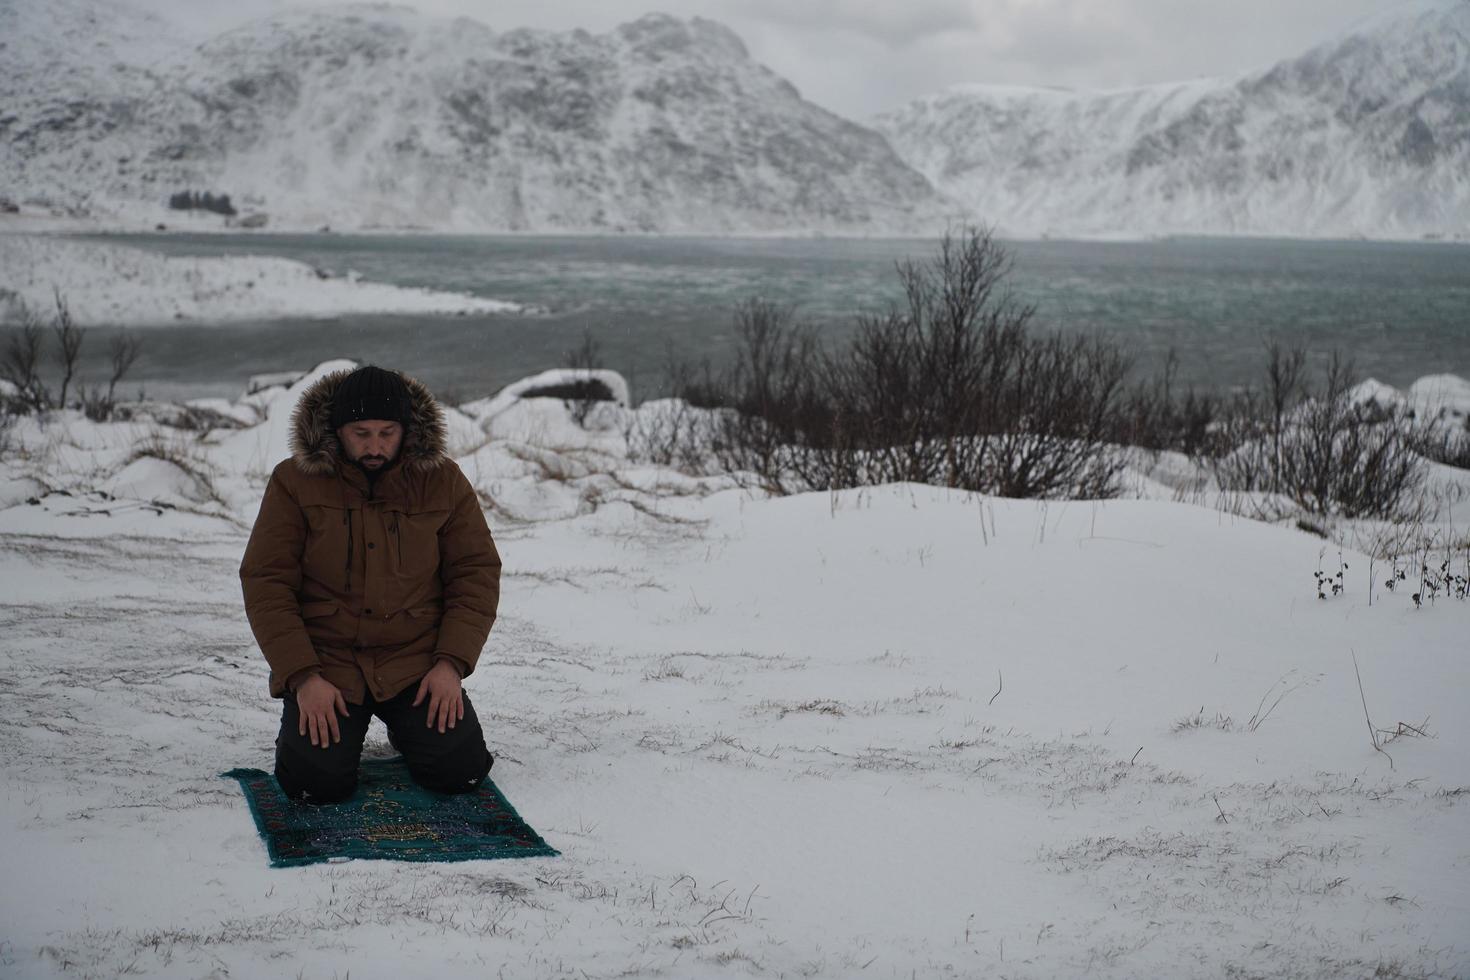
<point>389,817</point>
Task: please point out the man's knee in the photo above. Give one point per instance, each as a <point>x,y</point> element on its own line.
<point>454,768</point>
<point>315,775</point>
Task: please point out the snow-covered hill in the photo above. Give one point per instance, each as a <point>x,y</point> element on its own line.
<point>1366,134</point>
<point>363,116</point>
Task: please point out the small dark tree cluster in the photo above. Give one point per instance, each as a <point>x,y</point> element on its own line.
<point>20,364</point>
<point>196,201</point>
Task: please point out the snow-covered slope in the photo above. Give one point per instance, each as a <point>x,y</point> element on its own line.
<point>894,732</point>
<point>1366,134</point>
<point>362,116</point>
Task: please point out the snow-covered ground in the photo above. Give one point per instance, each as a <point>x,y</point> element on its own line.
<point>894,732</point>
<point>115,285</point>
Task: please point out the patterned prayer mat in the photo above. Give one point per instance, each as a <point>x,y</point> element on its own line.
<point>390,817</point>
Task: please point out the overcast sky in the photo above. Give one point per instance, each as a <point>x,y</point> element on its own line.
<point>860,57</point>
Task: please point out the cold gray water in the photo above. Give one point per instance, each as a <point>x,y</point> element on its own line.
<point>1400,310</point>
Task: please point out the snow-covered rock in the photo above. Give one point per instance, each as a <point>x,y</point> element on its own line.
<point>1441,396</point>
<point>485,409</point>
<point>223,408</point>
<point>18,489</point>
<point>1367,134</point>
<point>1374,392</point>
<point>372,115</point>
<point>156,479</point>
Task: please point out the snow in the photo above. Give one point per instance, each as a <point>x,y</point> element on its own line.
<point>114,284</point>
<point>890,732</point>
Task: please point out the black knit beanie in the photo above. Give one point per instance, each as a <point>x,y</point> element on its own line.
<point>370,393</point>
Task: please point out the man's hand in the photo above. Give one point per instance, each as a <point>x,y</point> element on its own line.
<point>446,700</point>
<point>318,701</point>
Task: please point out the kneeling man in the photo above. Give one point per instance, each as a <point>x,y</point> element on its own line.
<point>371,582</point>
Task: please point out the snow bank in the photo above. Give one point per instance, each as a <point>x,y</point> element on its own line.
<point>116,285</point>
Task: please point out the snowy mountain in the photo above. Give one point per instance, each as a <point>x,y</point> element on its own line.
<point>364,116</point>
<point>1366,134</point>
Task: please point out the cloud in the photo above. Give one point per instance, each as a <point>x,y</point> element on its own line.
<point>890,24</point>
<point>851,67</point>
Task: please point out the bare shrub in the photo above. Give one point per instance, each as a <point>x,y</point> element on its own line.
<point>679,431</point>
<point>1153,417</point>
<point>950,389</point>
<point>124,348</point>
<point>69,338</point>
<point>7,423</point>
<point>1444,444</point>
<point>21,364</point>
<point>1050,440</point>
<point>773,392</point>
<point>1338,459</point>
<point>672,433</point>
<point>1319,449</point>
<point>583,394</point>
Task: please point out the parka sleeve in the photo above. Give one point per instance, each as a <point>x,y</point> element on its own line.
<point>270,576</point>
<point>469,567</point>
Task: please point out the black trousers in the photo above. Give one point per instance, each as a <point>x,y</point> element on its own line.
<point>455,762</point>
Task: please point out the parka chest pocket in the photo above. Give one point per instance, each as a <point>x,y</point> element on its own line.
<point>416,539</point>
<point>328,546</point>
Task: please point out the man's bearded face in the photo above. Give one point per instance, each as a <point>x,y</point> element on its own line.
<point>371,443</point>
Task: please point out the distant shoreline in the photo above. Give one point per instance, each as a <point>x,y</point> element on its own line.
<point>32,224</point>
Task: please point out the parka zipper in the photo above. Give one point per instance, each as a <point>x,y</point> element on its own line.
<point>347,520</point>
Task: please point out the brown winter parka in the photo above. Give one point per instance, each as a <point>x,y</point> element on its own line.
<point>368,584</point>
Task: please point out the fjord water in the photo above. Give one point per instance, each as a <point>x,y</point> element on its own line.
<point>1400,310</point>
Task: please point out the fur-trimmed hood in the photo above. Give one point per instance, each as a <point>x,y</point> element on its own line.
<point>317,451</point>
